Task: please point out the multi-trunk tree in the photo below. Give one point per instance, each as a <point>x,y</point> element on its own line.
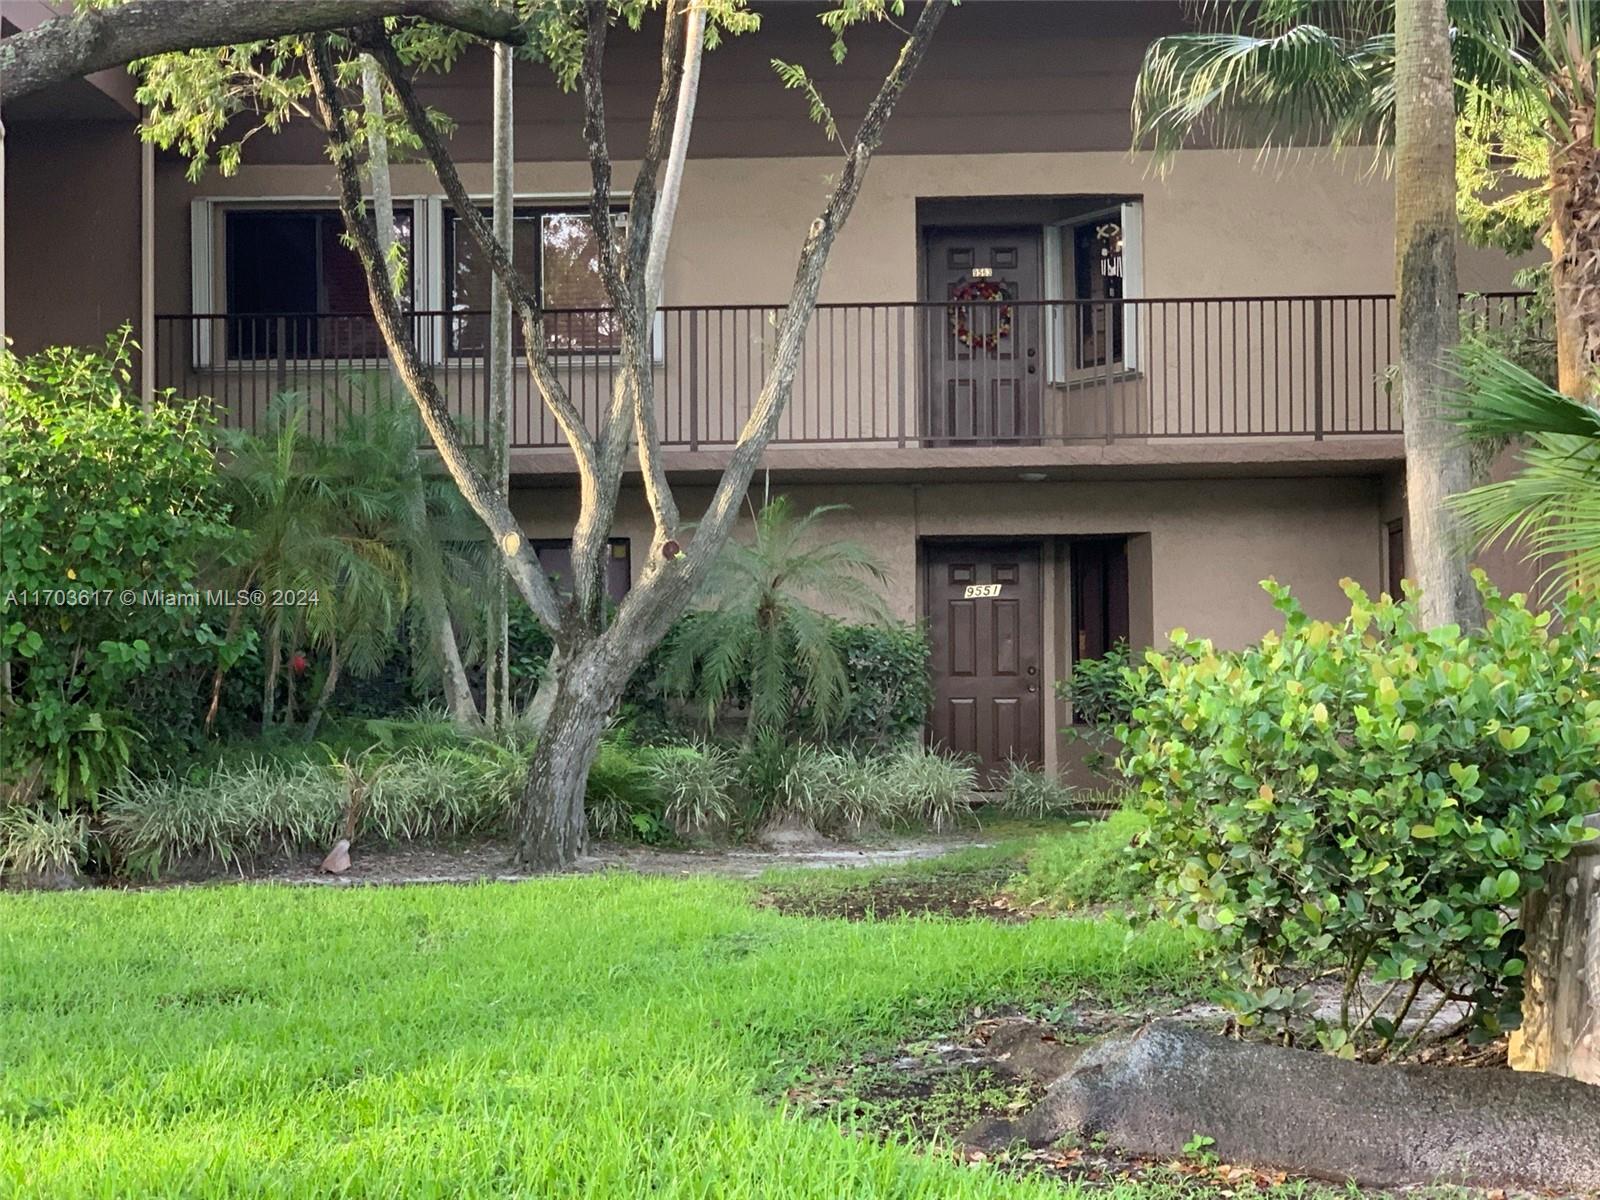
<point>596,652</point>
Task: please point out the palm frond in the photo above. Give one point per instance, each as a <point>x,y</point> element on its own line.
<point>1499,399</point>
<point>1551,505</point>
<point>1301,86</point>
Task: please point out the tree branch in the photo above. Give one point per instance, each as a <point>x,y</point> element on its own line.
<point>651,605</point>
<point>521,562</point>
<point>94,39</point>
<point>376,43</point>
<point>658,491</point>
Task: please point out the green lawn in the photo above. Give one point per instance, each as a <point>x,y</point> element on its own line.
<point>606,1036</point>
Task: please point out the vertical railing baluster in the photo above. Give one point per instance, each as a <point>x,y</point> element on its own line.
<point>1317,363</point>
<point>694,379</point>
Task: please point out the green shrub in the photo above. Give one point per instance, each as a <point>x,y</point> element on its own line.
<point>241,809</point>
<point>34,841</point>
<point>621,799</point>
<point>1370,793</point>
<point>103,505</point>
<point>226,817</point>
<point>890,686</point>
<point>768,779</point>
<point>1032,794</point>
<point>694,784</point>
<point>1098,689</point>
<point>1093,864</point>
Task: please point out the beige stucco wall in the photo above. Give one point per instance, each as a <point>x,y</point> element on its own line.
<point>1215,224</point>
<point>1211,541</point>
<point>1200,547</point>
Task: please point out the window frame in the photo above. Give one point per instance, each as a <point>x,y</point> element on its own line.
<point>209,266</point>
<point>1061,269</point>
<point>540,205</point>
<point>427,292</point>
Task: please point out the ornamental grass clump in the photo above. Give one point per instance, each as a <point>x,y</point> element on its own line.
<point>1033,794</point>
<point>930,788</point>
<point>42,843</point>
<point>694,783</point>
<point>1371,796</point>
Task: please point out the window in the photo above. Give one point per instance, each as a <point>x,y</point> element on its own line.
<point>290,276</point>
<point>1098,274</point>
<point>558,256</point>
<point>555,556</point>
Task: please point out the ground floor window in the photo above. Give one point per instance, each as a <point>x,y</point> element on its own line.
<point>555,556</point>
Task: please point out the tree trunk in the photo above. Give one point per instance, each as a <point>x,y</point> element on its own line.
<point>555,831</point>
<point>90,39</point>
<point>269,690</point>
<point>1438,459</point>
<point>1575,265</point>
<point>235,622</point>
<point>329,682</point>
<point>497,687</point>
<point>1560,1031</point>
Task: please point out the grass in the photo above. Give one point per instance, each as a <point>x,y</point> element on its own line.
<point>1085,865</point>
<point>606,1036</point>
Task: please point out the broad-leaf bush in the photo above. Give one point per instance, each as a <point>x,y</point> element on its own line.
<point>1370,793</point>
<point>109,511</point>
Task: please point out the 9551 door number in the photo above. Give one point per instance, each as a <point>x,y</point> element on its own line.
<point>981,591</point>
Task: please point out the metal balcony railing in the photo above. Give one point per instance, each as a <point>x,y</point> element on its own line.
<point>924,374</point>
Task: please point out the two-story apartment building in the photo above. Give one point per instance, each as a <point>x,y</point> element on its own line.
<point>1068,398</point>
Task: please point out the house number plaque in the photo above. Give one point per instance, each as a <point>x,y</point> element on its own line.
<point>981,591</point>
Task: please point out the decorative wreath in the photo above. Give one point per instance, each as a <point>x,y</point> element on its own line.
<point>980,290</point>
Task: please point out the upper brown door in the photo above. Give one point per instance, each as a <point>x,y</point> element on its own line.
<point>985,624</point>
<point>984,355</point>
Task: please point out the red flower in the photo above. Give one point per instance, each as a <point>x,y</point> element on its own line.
<point>297,663</point>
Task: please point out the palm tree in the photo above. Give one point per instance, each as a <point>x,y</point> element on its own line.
<point>1437,465</point>
<point>1552,504</point>
<point>1308,72</point>
<point>763,635</point>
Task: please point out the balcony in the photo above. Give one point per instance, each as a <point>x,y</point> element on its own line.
<point>892,387</point>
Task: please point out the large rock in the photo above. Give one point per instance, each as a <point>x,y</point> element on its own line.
<point>1150,1092</point>
<point>1560,1030</point>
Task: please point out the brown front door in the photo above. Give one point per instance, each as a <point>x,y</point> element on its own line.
<point>985,623</point>
<point>984,355</point>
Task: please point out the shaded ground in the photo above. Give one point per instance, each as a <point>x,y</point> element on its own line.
<point>486,861</point>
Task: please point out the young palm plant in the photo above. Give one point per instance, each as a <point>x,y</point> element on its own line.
<point>1552,504</point>
<point>326,539</point>
<point>762,633</point>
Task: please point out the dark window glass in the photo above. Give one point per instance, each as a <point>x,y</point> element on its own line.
<point>291,277</point>
<point>1097,260</point>
<point>555,556</point>
<point>559,259</point>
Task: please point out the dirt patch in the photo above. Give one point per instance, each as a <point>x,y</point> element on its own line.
<point>965,896</point>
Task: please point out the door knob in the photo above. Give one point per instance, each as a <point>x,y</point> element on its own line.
<point>1033,687</point>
